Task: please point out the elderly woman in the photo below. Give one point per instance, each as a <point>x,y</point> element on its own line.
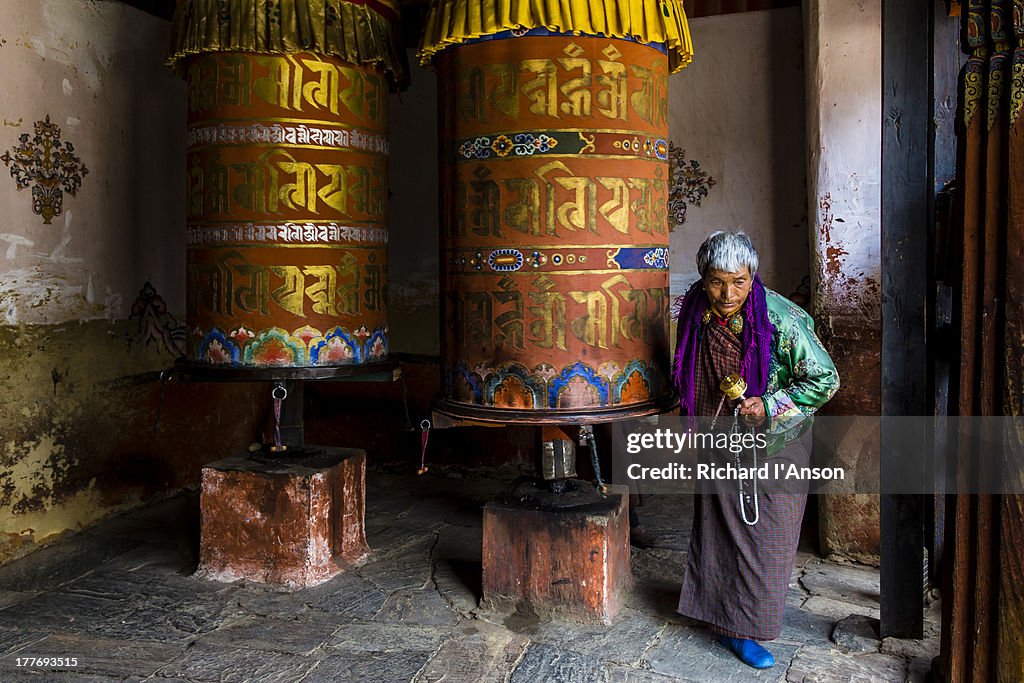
<point>742,547</point>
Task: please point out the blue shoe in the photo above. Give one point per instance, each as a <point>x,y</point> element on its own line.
<point>749,652</point>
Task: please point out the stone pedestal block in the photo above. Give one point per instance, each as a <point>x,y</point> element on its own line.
<point>563,561</point>
<point>291,522</point>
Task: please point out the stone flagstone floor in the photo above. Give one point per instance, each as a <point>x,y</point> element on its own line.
<point>120,598</point>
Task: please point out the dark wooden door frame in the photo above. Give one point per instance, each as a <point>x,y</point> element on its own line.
<point>920,72</point>
<point>906,189</point>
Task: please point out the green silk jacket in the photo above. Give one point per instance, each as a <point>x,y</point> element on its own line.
<point>801,376</point>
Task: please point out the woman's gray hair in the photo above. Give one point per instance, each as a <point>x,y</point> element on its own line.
<point>727,251</point>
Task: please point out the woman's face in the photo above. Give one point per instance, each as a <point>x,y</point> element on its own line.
<point>727,291</point>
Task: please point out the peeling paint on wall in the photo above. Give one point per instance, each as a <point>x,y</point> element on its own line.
<point>833,263</point>
<point>825,220</point>
<point>843,41</point>
<point>36,466</point>
<point>91,114</point>
<point>78,433</point>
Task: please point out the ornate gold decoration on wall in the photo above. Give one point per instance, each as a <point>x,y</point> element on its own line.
<point>46,165</point>
<point>688,184</point>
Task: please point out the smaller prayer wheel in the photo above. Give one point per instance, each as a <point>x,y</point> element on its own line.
<point>733,386</point>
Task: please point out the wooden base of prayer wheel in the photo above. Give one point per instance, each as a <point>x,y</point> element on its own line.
<point>292,523</point>
<point>570,562</point>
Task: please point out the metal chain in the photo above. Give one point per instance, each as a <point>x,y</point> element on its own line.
<point>717,413</point>
<point>743,499</point>
<point>278,447</point>
<point>587,437</point>
<point>424,437</point>
<point>165,379</point>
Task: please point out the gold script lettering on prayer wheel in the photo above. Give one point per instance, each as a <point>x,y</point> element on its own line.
<point>287,179</point>
<point>554,182</point>
<point>287,223</point>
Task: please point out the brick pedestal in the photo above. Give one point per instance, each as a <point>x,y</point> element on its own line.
<point>292,525</point>
<point>570,562</point>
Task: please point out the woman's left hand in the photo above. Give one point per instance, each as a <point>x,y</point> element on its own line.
<point>753,407</point>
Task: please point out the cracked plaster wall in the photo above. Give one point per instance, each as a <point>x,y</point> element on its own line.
<point>79,397</point>
<point>844,142</point>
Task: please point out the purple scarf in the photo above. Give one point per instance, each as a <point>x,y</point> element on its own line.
<point>756,339</point>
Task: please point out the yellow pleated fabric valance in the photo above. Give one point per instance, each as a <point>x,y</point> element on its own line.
<point>361,32</point>
<point>451,22</point>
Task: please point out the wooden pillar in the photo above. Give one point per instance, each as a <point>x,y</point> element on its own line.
<point>906,118</point>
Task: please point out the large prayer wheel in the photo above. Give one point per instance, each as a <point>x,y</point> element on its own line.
<point>554,245</point>
<point>287,175</point>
